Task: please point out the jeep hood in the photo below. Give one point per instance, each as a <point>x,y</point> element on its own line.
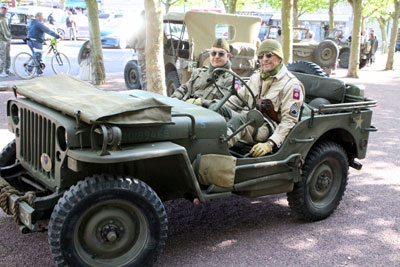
<point>82,100</point>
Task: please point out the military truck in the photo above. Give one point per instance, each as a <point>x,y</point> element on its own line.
<point>324,54</point>
<point>94,167</point>
<point>188,38</point>
<point>344,48</point>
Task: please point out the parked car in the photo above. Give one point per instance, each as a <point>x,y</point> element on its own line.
<point>109,18</point>
<point>118,34</point>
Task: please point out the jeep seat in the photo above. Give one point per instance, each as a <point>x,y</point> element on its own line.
<point>243,57</point>
<point>331,89</point>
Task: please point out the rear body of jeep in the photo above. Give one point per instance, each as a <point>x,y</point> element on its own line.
<point>161,156</point>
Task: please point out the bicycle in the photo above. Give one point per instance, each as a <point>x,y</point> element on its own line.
<point>25,65</point>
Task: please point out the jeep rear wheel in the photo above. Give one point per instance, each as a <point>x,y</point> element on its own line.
<point>363,63</point>
<point>344,59</point>
<point>132,75</point>
<point>307,68</point>
<point>108,221</point>
<point>323,182</point>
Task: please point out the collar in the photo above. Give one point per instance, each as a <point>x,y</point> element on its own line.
<point>272,73</point>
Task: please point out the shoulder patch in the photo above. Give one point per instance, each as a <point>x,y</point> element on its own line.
<point>294,110</point>
<point>296,93</point>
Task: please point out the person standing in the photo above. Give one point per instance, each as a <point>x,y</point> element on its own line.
<point>5,42</point>
<point>374,47</point>
<point>35,37</point>
<point>51,19</point>
<point>71,26</point>
<point>138,43</point>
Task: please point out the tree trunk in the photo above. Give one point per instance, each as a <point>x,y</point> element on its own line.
<point>287,30</point>
<point>331,21</point>
<point>295,13</point>
<point>382,26</point>
<point>393,36</point>
<point>355,39</point>
<point>230,6</point>
<point>62,4</point>
<point>96,53</point>
<point>155,72</point>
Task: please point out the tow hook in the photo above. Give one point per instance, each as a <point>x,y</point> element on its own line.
<point>356,165</point>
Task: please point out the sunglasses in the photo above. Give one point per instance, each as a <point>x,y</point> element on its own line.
<point>220,53</point>
<point>268,55</point>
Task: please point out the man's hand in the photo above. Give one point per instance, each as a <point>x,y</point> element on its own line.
<point>261,149</point>
<point>196,101</point>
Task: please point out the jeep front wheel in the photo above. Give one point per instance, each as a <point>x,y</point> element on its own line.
<point>132,75</point>
<point>108,221</point>
<point>172,82</point>
<point>8,155</point>
<point>323,182</point>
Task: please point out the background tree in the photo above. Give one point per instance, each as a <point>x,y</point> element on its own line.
<point>354,60</point>
<point>96,53</point>
<point>155,72</point>
<point>287,30</point>
<point>393,35</point>
<point>231,6</point>
<point>332,4</point>
<point>382,11</point>
<point>62,4</point>
<point>168,3</point>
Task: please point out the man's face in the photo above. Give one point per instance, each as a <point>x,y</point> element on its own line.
<point>268,61</point>
<point>4,11</point>
<point>219,57</point>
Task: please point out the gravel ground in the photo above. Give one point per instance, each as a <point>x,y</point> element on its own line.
<point>363,231</point>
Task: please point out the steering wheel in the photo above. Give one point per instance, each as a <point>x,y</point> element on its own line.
<point>232,91</point>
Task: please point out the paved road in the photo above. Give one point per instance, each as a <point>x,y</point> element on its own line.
<point>364,230</point>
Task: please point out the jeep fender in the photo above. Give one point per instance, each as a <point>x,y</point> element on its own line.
<point>150,155</point>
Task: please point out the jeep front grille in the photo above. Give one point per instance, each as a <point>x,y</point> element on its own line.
<point>37,136</point>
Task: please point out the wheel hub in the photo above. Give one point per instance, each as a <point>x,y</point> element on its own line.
<point>323,182</point>
<point>111,232</point>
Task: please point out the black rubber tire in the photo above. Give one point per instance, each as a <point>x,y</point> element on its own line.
<point>8,155</point>
<point>326,53</point>
<point>324,180</point>
<point>363,63</point>
<point>344,58</point>
<point>84,52</point>
<point>127,207</point>
<point>132,75</point>
<point>172,82</point>
<point>307,68</point>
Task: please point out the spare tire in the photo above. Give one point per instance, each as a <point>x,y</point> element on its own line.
<point>326,53</point>
<point>307,68</point>
<point>132,75</point>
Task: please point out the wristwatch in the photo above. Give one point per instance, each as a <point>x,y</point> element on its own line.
<point>272,143</point>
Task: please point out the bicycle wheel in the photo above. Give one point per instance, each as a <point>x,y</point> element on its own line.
<point>60,63</point>
<point>24,65</point>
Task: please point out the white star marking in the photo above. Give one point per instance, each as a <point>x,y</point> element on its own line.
<point>359,121</point>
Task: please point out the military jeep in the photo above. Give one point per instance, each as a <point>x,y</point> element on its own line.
<point>188,38</point>
<point>94,167</point>
<point>324,54</point>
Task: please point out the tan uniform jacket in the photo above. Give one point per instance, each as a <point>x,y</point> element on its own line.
<point>287,95</point>
<point>201,86</point>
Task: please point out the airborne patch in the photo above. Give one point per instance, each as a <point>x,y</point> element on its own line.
<point>294,110</point>
<point>296,93</point>
<point>237,85</point>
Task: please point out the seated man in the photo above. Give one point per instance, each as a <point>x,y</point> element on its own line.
<point>279,95</point>
<point>200,89</point>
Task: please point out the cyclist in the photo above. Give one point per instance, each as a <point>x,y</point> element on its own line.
<point>35,38</point>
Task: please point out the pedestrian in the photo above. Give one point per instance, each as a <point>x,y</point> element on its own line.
<point>200,89</point>
<point>71,26</point>
<point>279,96</point>
<point>5,43</point>
<point>374,46</point>
<point>51,19</point>
<point>35,37</point>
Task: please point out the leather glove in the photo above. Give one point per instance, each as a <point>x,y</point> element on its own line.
<point>261,149</point>
<point>196,101</point>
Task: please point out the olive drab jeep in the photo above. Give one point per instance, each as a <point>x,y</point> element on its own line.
<point>188,38</point>
<point>94,167</point>
<point>324,54</point>
<point>366,48</point>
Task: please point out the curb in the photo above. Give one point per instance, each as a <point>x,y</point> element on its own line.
<point>3,87</point>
